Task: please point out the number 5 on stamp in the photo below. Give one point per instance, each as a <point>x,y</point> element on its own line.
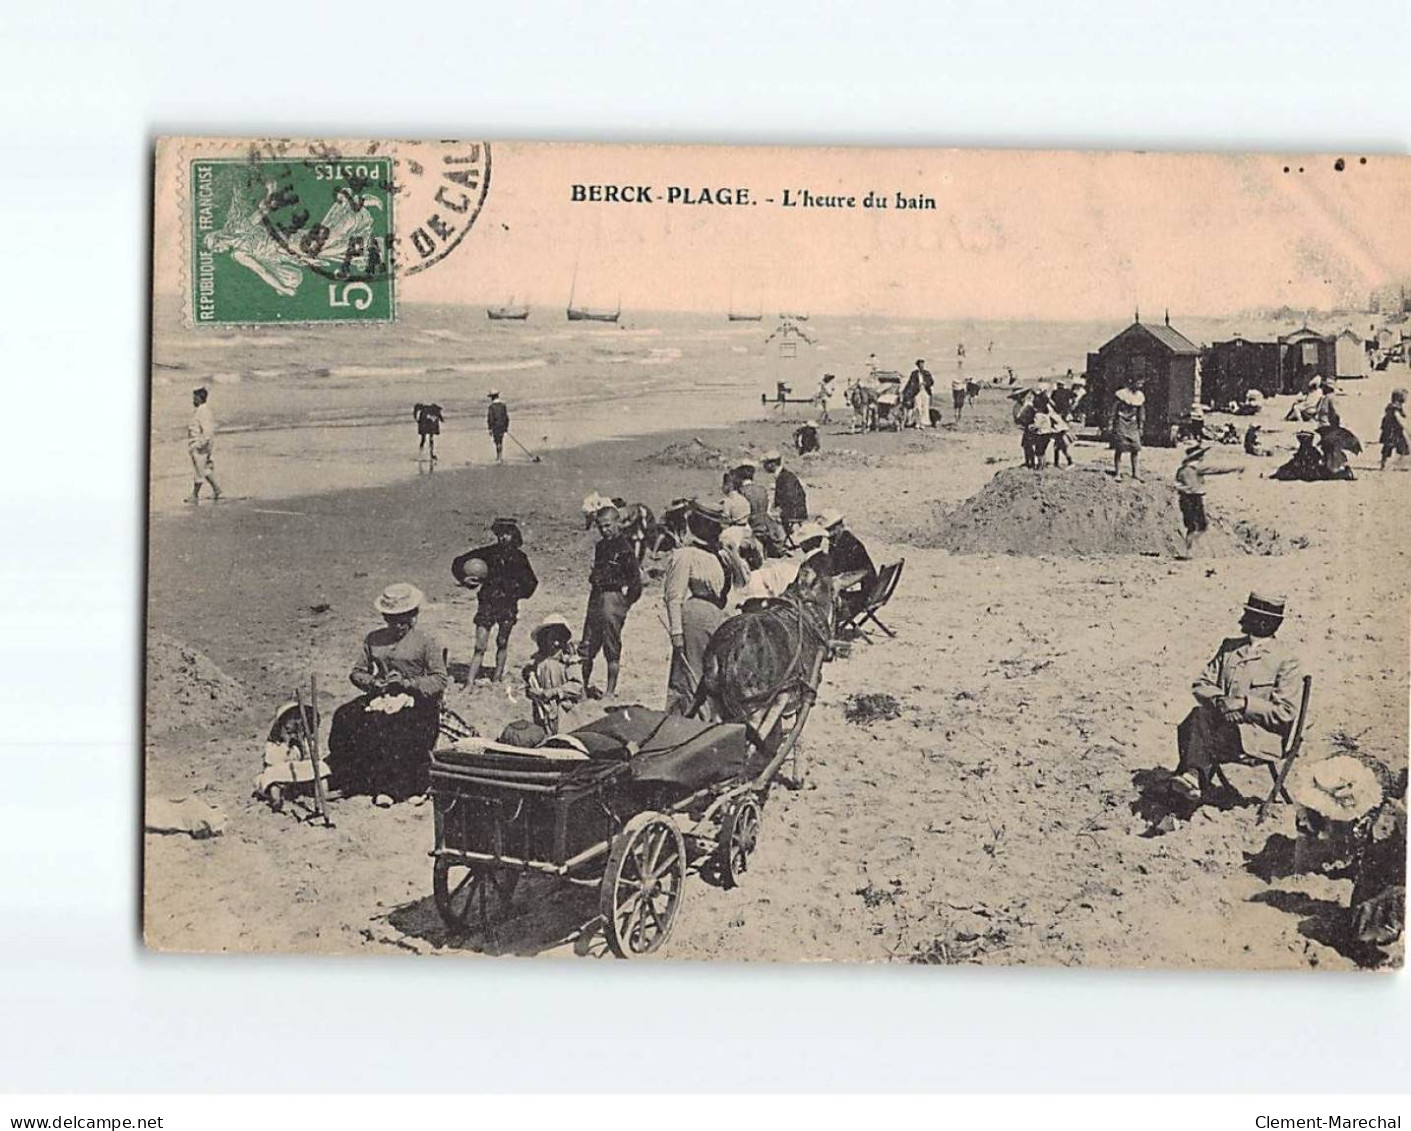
<point>299,239</point>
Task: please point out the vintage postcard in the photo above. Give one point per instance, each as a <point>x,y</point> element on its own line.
<point>779,554</point>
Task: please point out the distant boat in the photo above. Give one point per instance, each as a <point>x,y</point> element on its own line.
<point>583,314</point>
<point>735,316</point>
<point>793,317</point>
<point>507,313</point>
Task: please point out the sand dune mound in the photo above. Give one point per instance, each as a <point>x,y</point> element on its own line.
<point>187,688</point>
<point>687,453</point>
<point>1078,511</point>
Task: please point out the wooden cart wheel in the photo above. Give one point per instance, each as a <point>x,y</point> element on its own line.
<point>468,894</point>
<point>642,886</point>
<point>739,834</point>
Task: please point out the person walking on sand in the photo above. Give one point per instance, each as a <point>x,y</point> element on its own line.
<point>200,446</point>
<point>614,585</point>
<point>1393,436</point>
<point>428,419</point>
<point>1190,489</point>
<point>1125,422</point>
<point>497,422</point>
<point>1244,700</point>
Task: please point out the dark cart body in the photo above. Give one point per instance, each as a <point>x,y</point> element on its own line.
<point>627,803</point>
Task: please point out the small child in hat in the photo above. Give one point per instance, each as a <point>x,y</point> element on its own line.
<point>1393,437</point>
<point>553,678</point>
<point>1190,486</point>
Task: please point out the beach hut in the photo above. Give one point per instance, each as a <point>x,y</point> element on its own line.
<point>1350,354</point>
<point>1303,355</point>
<point>1228,370</point>
<point>1164,359</point>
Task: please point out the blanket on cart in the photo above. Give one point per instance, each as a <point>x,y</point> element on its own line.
<point>659,749</point>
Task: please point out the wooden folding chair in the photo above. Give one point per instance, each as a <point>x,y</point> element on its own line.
<point>877,597</point>
<point>1279,767</point>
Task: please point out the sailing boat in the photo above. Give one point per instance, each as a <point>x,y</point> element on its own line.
<point>584,314</point>
<point>509,312</point>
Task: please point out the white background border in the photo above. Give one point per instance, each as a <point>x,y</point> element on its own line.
<point>87,85</point>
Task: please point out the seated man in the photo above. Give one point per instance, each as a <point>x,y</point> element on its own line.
<point>849,556</point>
<point>1244,701</point>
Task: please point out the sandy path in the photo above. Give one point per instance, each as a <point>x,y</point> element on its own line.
<point>999,819</point>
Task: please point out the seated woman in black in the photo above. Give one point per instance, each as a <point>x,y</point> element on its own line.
<point>380,743</point>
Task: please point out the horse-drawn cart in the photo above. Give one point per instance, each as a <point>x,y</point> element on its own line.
<point>630,804</point>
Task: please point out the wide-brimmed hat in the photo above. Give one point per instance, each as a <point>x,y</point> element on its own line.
<point>1304,435</point>
<point>1266,604</point>
<point>493,393</point>
<point>771,456</point>
<point>808,532</point>
<point>810,424</point>
<point>1341,788</point>
<point>1197,450</point>
<point>398,599</point>
<point>744,463</point>
<point>828,519</point>
<point>553,620</point>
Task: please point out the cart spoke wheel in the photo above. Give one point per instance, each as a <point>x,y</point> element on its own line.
<point>471,895</point>
<point>739,835</point>
<point>642,886</point>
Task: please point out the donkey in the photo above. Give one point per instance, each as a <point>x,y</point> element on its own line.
<point>763,665</point>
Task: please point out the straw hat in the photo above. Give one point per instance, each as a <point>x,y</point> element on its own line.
<point>771,456</point>
<point>808,532</point>
<point>493,393</point>
<point>1341,788</point>
<point>829,519</point>
<point>399,599</point>
<point>1197,450</point>
<point>1266,604</point>
<point>553,620</point>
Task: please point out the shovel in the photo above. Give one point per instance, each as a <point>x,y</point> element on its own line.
<point>532,457</point>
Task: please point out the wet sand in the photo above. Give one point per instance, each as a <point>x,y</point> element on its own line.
<point>1000,819</point>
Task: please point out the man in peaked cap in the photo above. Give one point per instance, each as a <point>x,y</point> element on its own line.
<point>497,423</point>
<point>1244,700</point>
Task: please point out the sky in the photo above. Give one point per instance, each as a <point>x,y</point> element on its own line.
<point>1013,235</point>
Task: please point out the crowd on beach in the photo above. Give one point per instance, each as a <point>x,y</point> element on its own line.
<point>748,543</point>
<point>723,553</point>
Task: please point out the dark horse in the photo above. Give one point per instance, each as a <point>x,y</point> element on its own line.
<point>762,666</point>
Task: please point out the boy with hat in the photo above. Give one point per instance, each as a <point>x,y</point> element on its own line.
<point>497,422</point>
<point>1244,700</point>
<point>1190,488</point>
<point>501,577</point>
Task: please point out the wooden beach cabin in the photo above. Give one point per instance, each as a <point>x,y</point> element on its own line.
<point>1165,360</point>
<point>1350,354</point>
<point>1303,355</point>
<point>1228,370</point>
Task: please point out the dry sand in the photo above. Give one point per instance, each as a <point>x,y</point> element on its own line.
<point>998,818</point>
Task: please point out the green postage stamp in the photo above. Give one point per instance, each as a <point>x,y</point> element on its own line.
<point>297,239</point>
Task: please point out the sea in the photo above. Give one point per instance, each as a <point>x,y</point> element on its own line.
<point>303,408</point>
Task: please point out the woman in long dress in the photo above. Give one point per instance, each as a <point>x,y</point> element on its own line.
<point>1125,425</point>
<point>380,743</point>
<point>694,590</point>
